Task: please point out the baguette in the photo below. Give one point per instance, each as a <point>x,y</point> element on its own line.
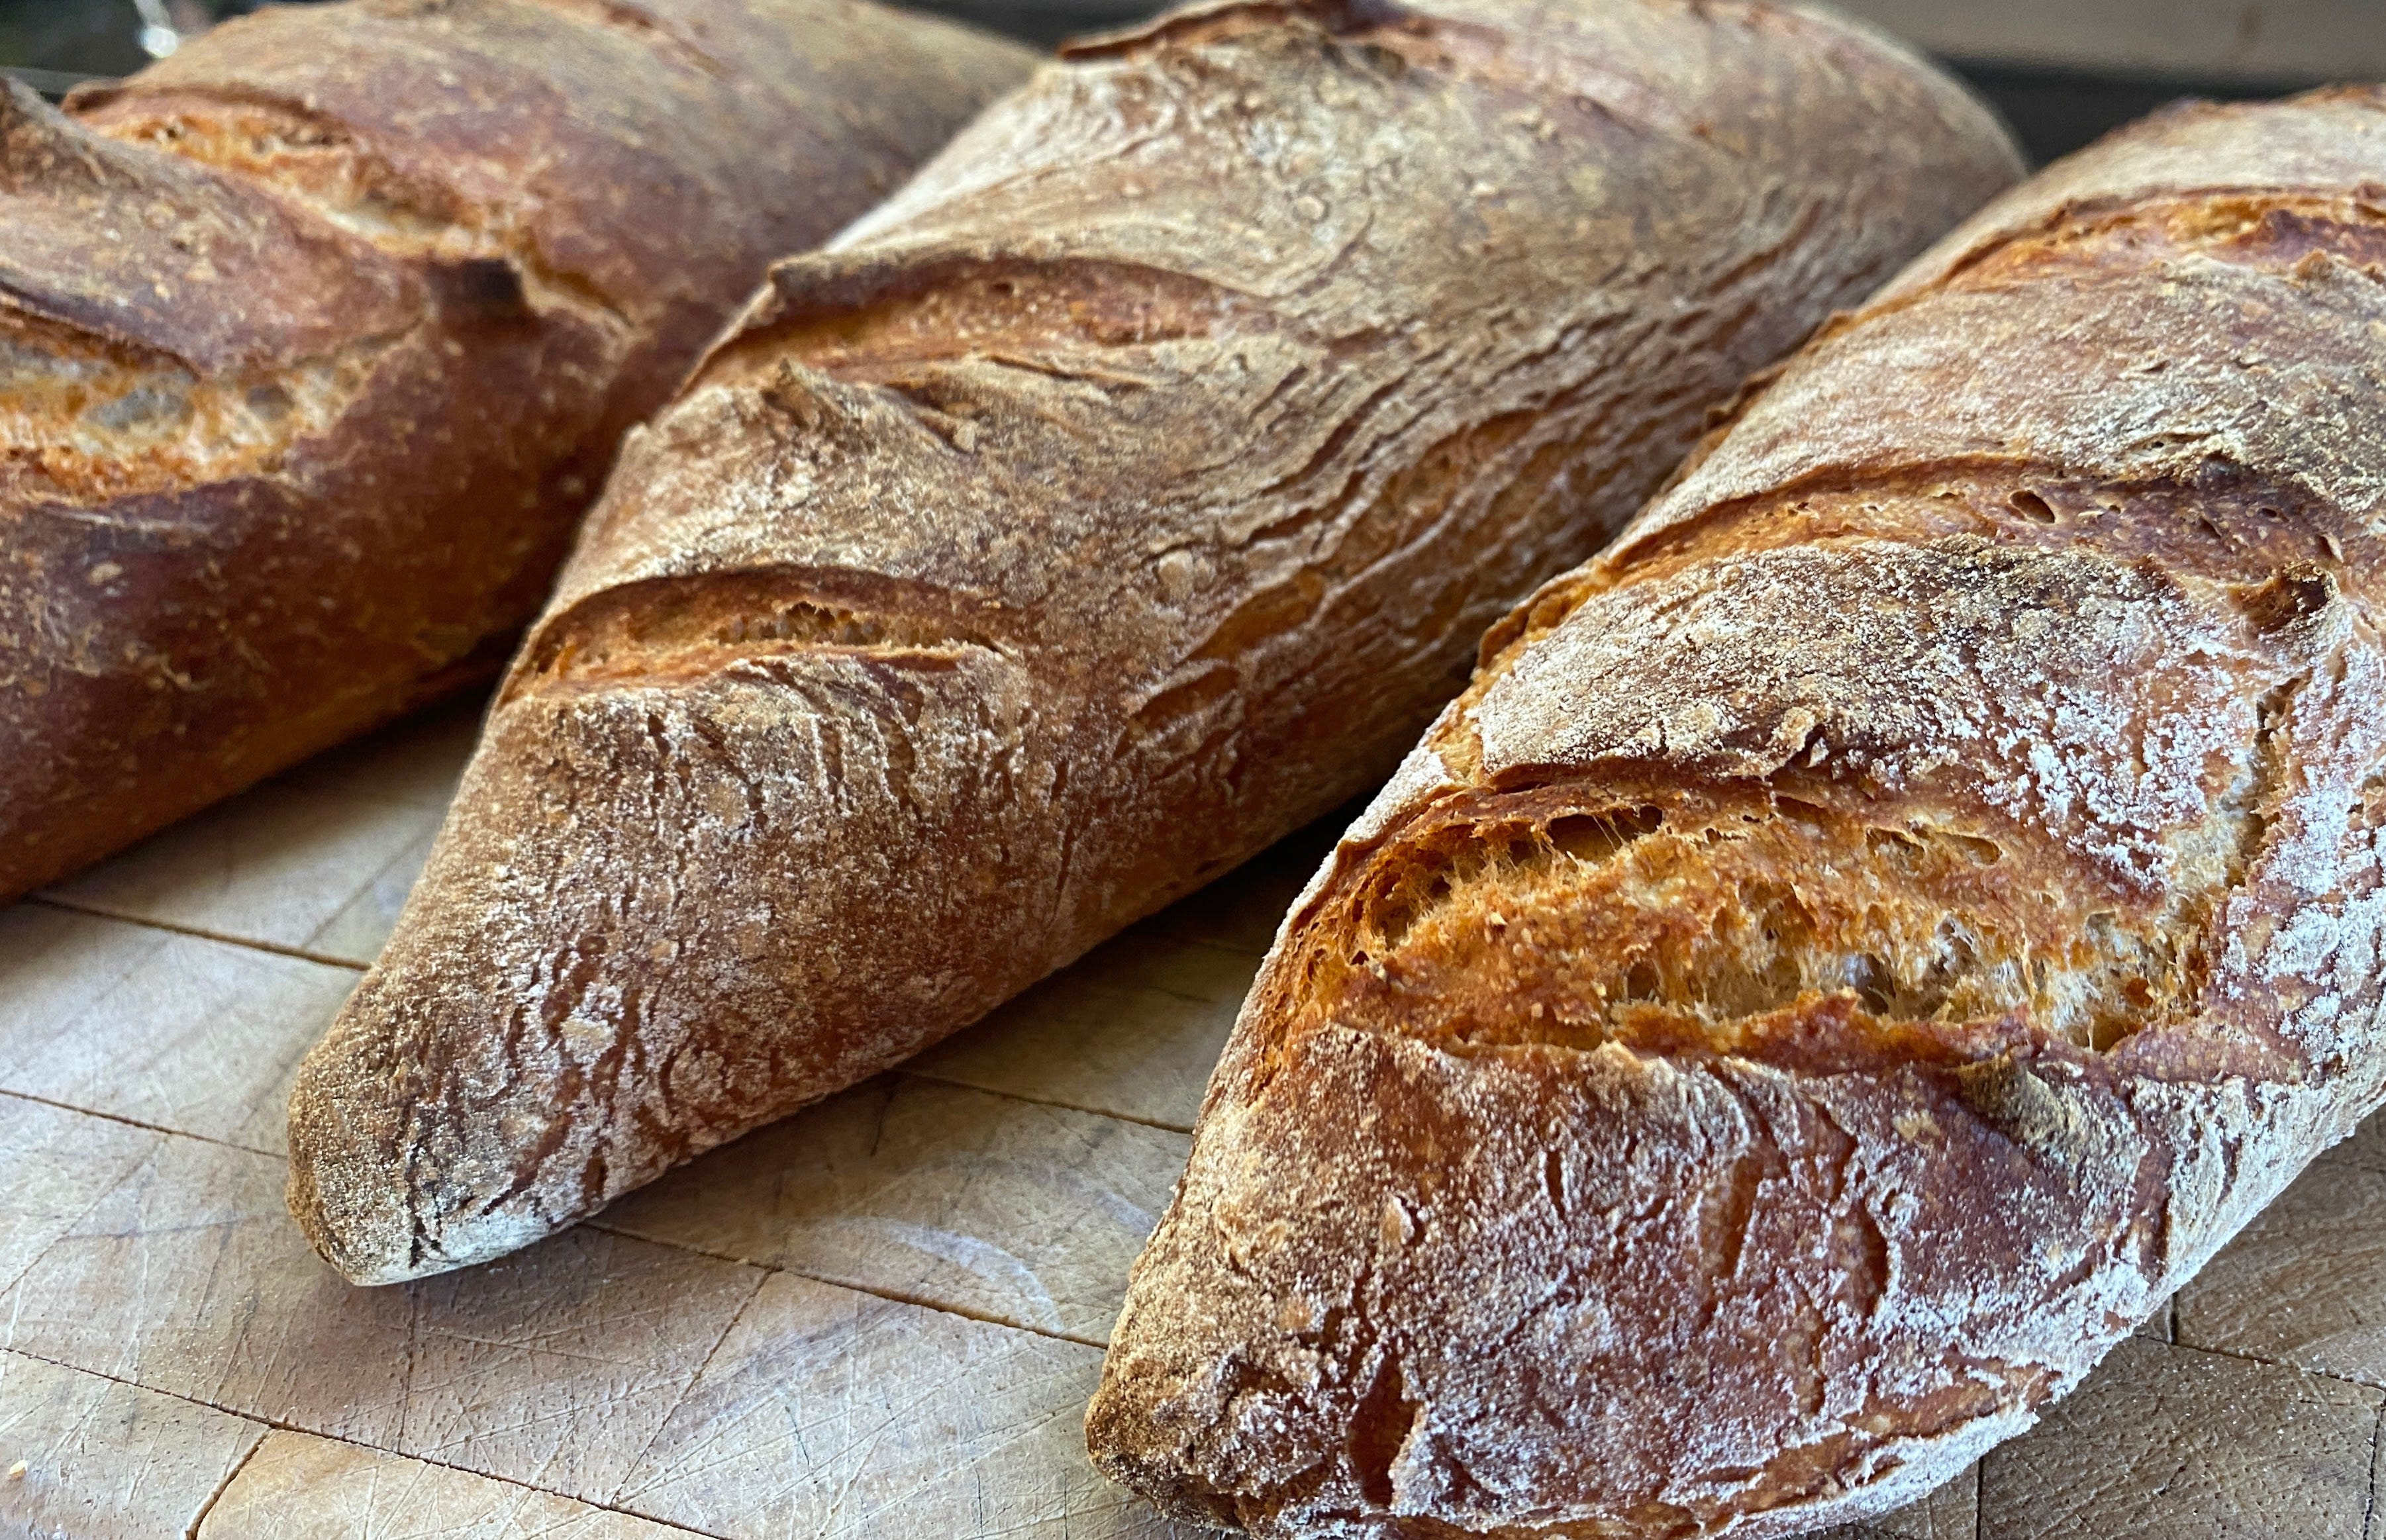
<point>315,338</point>
<point>1124,494</point>
<point>1858,947</point>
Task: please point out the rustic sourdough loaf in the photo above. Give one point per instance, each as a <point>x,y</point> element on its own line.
<point>1858,945</point>
<point>316,337</point>
<point>1126,491</point>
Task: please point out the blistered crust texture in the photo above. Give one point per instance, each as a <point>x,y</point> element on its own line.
<point>1124,492</point>
<point>1859,945</point>
<point>315,338</point>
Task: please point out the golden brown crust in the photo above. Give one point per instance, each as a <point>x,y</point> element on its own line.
<point>1118,496</point>
<point>1858,945</point>
<point>316,337</point>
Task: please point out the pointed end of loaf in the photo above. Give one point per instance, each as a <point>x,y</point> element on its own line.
<point>346,1187</point>
<point>355,1237</point>
<point>661,912</point>
<point>465,1102</point>
<point>358,1184</point>
<point>468,1099</point>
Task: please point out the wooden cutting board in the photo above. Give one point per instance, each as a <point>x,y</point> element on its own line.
<point>881,1318</point>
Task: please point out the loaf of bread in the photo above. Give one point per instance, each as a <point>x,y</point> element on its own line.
<point>1125,492</point>
<point>316,337</point>
<point>1858,945</point>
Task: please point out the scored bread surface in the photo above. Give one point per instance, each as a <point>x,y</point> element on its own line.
<point>1858,945</point>
<point>1124,492</point>
<point>316,336</point>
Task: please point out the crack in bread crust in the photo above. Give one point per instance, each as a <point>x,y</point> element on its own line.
<point>85,424</point>
<point>313,161</point>
<point>1783,930</point>
<point>681,629</point>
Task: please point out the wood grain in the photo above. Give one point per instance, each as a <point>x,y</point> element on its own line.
<point>173,1031</point>
<point>104,1460</point>
<point>832,1414</point>
<point>2188,1446</point>
<point>300,1487</point>
<point>182,1279</point>
<point>58,1163</point>
<point>2304,1283</point>
<point>2365,1151</point>
<point>1133,1030</point>
<point>1025,1213</point>
<point>316,860</point>
<point>554,1370</point>
<point>667,1362</point>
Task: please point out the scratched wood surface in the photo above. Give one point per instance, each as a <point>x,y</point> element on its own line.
<point>880,1318</point>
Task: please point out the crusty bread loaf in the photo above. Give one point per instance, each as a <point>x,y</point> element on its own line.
<point>1858,945</point>
<point>316,336</point>
<point>1125,492</point>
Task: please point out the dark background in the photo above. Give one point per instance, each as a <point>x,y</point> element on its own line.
<point>50,43</point>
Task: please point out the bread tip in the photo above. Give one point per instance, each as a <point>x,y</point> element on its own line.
<point>374,1243</point>
<point>362,1265</point>
<point>348,1197</point>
